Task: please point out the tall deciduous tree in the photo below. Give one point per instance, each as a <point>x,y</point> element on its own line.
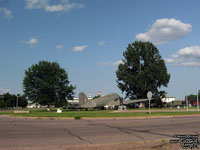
<point>142,70</point>
<point>47,83</point>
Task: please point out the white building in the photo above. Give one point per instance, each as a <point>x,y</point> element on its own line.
<point>168,99</point>
<point>34,105</point>
<point>74,101</point>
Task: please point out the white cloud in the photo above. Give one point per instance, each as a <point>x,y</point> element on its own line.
<point>31,42</point>
<point>80,48</point>
<point>62,6</point>
<point>2,90</point>
<point>33,4</point>
<point>6,12</point>
<point>111,63</point>
<point>165,30</point>
<point>102,43</point>
<point>187,55</point>
<point>59,47</point>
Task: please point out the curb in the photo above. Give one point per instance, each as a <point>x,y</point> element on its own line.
<point>102,118</point>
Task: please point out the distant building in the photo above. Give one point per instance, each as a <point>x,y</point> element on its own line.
<point>168,99</point>
<point>178,102</point>
<point>74,101</point>
<point>172,101</point>
<point>34,105</point>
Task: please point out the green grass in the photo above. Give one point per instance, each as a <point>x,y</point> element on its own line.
<point>77,117</point>
<point>6,113</point>
<point>100,113</point>
<point>174,108</point>
<point>175,113</point>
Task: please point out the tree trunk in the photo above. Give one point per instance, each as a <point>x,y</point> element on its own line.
<point>50,108</point>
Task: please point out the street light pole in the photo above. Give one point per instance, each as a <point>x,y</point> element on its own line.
<point>197,87</point>
<point>186,87</point>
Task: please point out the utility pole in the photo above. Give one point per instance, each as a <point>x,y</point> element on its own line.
<point>197,87</point>
<point>186,87</point>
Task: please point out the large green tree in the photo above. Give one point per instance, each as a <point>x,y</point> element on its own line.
<point>142,70</point>
<point>47,83</point>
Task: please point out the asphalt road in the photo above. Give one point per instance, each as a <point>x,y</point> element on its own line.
<point>22,133</point>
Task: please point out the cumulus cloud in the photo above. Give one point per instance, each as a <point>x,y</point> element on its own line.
<point>188,55</point>
<point>31,42</point>
<point>59,47</point>
<point>165,30</point>
<point>2,90</point>
<point>33,4</point>
<point>62,6</point>
<point>102,43</point>
<point>111,63</point>
<point>6,12</point>
<point>80,48</point>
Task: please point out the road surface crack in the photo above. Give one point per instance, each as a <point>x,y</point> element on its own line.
<point>124,130</point>
<point>77,136</point>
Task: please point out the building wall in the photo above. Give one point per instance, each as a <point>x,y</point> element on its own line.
<point>168,99</point>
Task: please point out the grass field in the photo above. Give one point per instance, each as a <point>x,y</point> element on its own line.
<point>93,113</point>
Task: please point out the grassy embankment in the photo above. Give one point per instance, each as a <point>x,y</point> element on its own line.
<point>92,113</point>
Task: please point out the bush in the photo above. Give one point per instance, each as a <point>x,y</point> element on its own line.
<point>77,117</point>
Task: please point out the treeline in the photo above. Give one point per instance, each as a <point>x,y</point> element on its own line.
<point>8,100</point>
<point>192,99</point>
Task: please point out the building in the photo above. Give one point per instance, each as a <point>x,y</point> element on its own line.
<point>74,101</point>
<point>178,102</point>
<point>173,102</point>
<point>34,105</point>
<point>168,99</point>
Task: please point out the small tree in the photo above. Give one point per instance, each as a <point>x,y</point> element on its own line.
<point>3,104</point>
<point>9,99</point>
<point>22,101</point>
<point>142,70</point>
<point>47,83</point>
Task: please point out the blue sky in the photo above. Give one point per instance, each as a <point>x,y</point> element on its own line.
<point>88,37</point>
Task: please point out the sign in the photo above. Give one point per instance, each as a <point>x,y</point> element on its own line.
<point>149,95</point>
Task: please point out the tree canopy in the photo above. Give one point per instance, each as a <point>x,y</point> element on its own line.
<point>193,98</point>
<point>141,70</point>
<point>47,83</point>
